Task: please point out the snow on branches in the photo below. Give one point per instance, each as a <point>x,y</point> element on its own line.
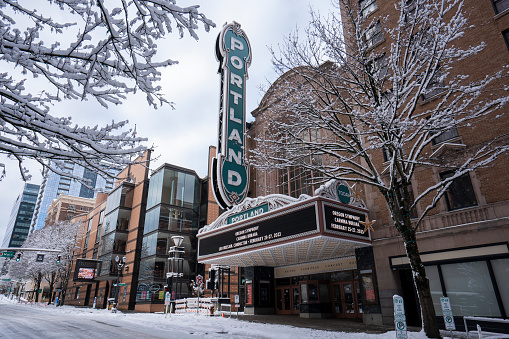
<point>102,50</point>
<point>359,86</point>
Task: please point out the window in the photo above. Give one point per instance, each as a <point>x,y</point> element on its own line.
<point>378,67</point>
<point>505,34</point>
<point>500,5</point>
<point>460,193</point>
<point>367,6</point>
<point>446,135</point>
<point>373,35</point>
<point>387,154</point>
<point>410,8</point>
<point>470,289</point>
<point>435,86</point>
<point>77,295</point>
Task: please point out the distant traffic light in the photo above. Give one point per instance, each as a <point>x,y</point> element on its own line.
<point>18,256</point>
<point>58,258</point>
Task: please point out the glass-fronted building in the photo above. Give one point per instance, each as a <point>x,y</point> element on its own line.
<point>173,208</point>
<point>54,184</point>
<point>21,215</point>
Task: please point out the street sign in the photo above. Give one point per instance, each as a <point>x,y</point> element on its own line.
<point>399,317</point>
<point>6,279</point>
<point>7,254</point>
<point>40,257</point>
<point>199,279</point>
<point>237,298</point>
<point>401,330</point>
<point>121,284</point>
<point>447,312</point>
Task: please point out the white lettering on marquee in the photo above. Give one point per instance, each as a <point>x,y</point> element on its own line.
<point>236,62</point>
<point>234,178</point>
<point>236,44</point>
<point>236,80</point>
<point>236,97</point>
<point>232,117</point>
<point>234,135</point>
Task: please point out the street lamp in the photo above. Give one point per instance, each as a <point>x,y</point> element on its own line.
<point>120,266</point>
<point>175,266</point>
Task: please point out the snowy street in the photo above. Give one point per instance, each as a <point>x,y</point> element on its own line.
<point>25,321</point>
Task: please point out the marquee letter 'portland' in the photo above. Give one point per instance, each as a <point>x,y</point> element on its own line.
<point>230,175</point>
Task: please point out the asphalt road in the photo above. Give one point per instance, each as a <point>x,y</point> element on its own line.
<point>20,322</point>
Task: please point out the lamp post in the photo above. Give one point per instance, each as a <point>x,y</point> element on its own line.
<point>175,267</point>
<point>120,265</point>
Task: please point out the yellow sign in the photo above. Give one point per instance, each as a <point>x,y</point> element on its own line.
<point>317,267</point>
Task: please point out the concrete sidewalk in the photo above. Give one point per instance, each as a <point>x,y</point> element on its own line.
<point>330,324</point>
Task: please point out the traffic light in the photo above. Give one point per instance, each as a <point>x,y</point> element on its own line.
<point>58,258</point>
<point>18,256</point>
<point>166,288</point>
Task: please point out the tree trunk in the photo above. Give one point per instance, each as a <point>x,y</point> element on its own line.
<point>429,320</point>
<point>37,286</point>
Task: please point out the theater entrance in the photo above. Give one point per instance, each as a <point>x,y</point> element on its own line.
<point>347,301</point>
<point>288,300</point>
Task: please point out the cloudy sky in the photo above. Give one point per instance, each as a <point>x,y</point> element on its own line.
<point>182,135</point>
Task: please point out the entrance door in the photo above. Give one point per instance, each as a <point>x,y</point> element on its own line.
<point>284,300</point>
<point>296,300</point>
<point>87,295</point>
<point>345,300</point>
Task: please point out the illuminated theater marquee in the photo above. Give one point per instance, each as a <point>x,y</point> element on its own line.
<point>259,233</point>
<point>230,175</point>
<point>344,221</point>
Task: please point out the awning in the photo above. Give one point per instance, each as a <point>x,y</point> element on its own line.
<point>316,229</point>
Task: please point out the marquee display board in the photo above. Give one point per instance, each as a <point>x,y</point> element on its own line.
<point>230,174</point>
<point>86,270</point>
<point>260,233</point>
<point>346,221</point>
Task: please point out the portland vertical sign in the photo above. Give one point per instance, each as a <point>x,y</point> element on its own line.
<point>230,174</point>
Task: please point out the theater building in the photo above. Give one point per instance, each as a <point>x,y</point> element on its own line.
<point>294,261</point>
<point>309,255</point>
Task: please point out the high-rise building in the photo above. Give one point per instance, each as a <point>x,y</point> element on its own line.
<point>54,184</point>
<point>21,215</point>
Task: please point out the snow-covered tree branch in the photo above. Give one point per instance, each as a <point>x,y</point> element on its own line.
<point>102,50</point>
<point>367,106</point>
<point>61,236</point>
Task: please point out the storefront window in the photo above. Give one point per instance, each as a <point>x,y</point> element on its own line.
<point>470,289</point>
<point>435,287</point>
<point>501,271</point>
<point>304,292</point>
<point>313,292</point>
<point>368,287</point>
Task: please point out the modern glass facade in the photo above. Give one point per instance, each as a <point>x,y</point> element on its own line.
<point>113,230</point>
<point>173,208</point>
<point>54,184</point>
<point>21,215</point>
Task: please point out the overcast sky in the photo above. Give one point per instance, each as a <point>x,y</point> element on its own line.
<point>182,136</point>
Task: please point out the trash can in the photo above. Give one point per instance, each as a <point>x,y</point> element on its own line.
<point>111,301</point>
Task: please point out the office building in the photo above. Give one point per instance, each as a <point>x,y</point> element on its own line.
<point>21,215</point>
<point>54,184</point>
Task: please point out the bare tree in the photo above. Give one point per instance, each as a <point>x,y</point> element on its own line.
<point>61,236</point>
<point>103,50</point>
<point>345,101</point>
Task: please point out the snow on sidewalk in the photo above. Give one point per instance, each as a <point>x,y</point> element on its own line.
<point>202,326</point>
